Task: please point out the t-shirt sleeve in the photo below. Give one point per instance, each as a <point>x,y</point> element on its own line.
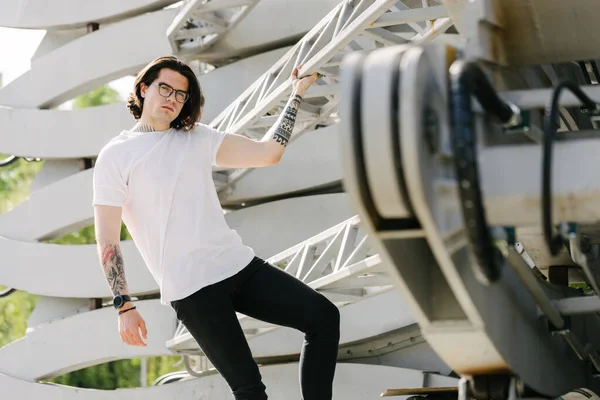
<point>216,138</point>
<point>110,188</point>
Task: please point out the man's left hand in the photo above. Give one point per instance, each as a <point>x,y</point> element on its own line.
<point>301,84</point>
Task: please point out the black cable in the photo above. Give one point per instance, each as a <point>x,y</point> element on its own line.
<point>595,69</point>
<point>475,82</point>
<point>584,71</point>
<point>7,292</point>
<point>468,79</point>
<point>551,125</point>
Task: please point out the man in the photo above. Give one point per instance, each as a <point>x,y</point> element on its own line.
<point>157,178</point>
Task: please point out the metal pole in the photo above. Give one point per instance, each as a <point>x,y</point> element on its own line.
<point>144,371</point>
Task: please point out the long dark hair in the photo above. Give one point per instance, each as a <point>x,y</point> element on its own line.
<point>191,112</point>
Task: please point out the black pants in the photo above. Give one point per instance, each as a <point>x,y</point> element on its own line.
<point>267,293</point>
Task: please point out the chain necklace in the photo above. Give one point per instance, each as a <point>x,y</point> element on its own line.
<point>143,128</point>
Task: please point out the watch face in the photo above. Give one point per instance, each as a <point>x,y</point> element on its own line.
<point>118,301</point>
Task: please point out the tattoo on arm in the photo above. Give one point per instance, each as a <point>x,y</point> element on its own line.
<point>112,264</point>
<point>285,124</point>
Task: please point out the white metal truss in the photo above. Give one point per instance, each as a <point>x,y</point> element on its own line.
<point>339,263</point>
<point>200,23</point>
<point>353,25</point>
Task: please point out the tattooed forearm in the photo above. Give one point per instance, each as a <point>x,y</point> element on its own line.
<point>282,131</point>
<point>112,264</point>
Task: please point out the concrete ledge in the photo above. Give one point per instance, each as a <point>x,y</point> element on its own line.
<point>83,340</point>
<point>72,14</point>
<point>352,382</point>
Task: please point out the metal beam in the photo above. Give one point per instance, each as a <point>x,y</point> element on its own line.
<point>205,23</point>
<point>322,47</point>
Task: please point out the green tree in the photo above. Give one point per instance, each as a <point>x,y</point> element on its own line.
<point>15,180</point>
<point>14,311</point>
<point>159,366</point>
<point>97,97</point>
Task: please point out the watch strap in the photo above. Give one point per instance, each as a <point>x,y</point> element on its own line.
<point>129,309</point>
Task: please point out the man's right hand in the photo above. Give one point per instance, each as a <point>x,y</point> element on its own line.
<point>130,325</point>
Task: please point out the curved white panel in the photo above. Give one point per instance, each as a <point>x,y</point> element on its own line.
<point>90,61</point>
<point>43,133</point>
<point>42,267</point>
<point>351,382</point>
<point>83,340</point>
<point>312,161</point>
<point>273,227</point>
<point>52,211</point>
<point>69,14</point>
<point>51,308</point>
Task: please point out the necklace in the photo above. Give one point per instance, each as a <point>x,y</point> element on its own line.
<point>143,128</point>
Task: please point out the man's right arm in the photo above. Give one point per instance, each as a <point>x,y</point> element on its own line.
<point>107,221</point>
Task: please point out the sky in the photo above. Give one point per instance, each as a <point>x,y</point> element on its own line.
<point>17,46</point>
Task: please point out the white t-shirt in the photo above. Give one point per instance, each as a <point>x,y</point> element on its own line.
<point>163,181</point>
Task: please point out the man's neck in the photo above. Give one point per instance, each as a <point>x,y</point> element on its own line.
<point>146,124</point>
<point>143,127</point>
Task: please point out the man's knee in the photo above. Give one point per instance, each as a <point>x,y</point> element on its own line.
<point>332,313</point>
<point>326,319</point>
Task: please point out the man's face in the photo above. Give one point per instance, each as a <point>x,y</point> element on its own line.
<point>158,107</point>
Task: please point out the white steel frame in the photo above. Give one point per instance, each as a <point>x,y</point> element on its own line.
<point>353,25</point>
<point>200,23</point>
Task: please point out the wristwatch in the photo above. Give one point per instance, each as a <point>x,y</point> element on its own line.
<point>119,300</point>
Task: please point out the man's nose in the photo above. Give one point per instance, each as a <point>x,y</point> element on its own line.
<point>171,98</point>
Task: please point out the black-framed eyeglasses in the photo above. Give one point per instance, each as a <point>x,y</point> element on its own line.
<point>166,90</point>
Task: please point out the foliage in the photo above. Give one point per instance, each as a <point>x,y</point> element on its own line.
<point>97,97</point>
<point>14,311</point>
<point>107,376</point>
<point>15,180</point>
<point>119,374</point>
<point>87,235</point>
<point>159,366</point>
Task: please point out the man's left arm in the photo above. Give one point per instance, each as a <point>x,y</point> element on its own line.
<point>237,151</point>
